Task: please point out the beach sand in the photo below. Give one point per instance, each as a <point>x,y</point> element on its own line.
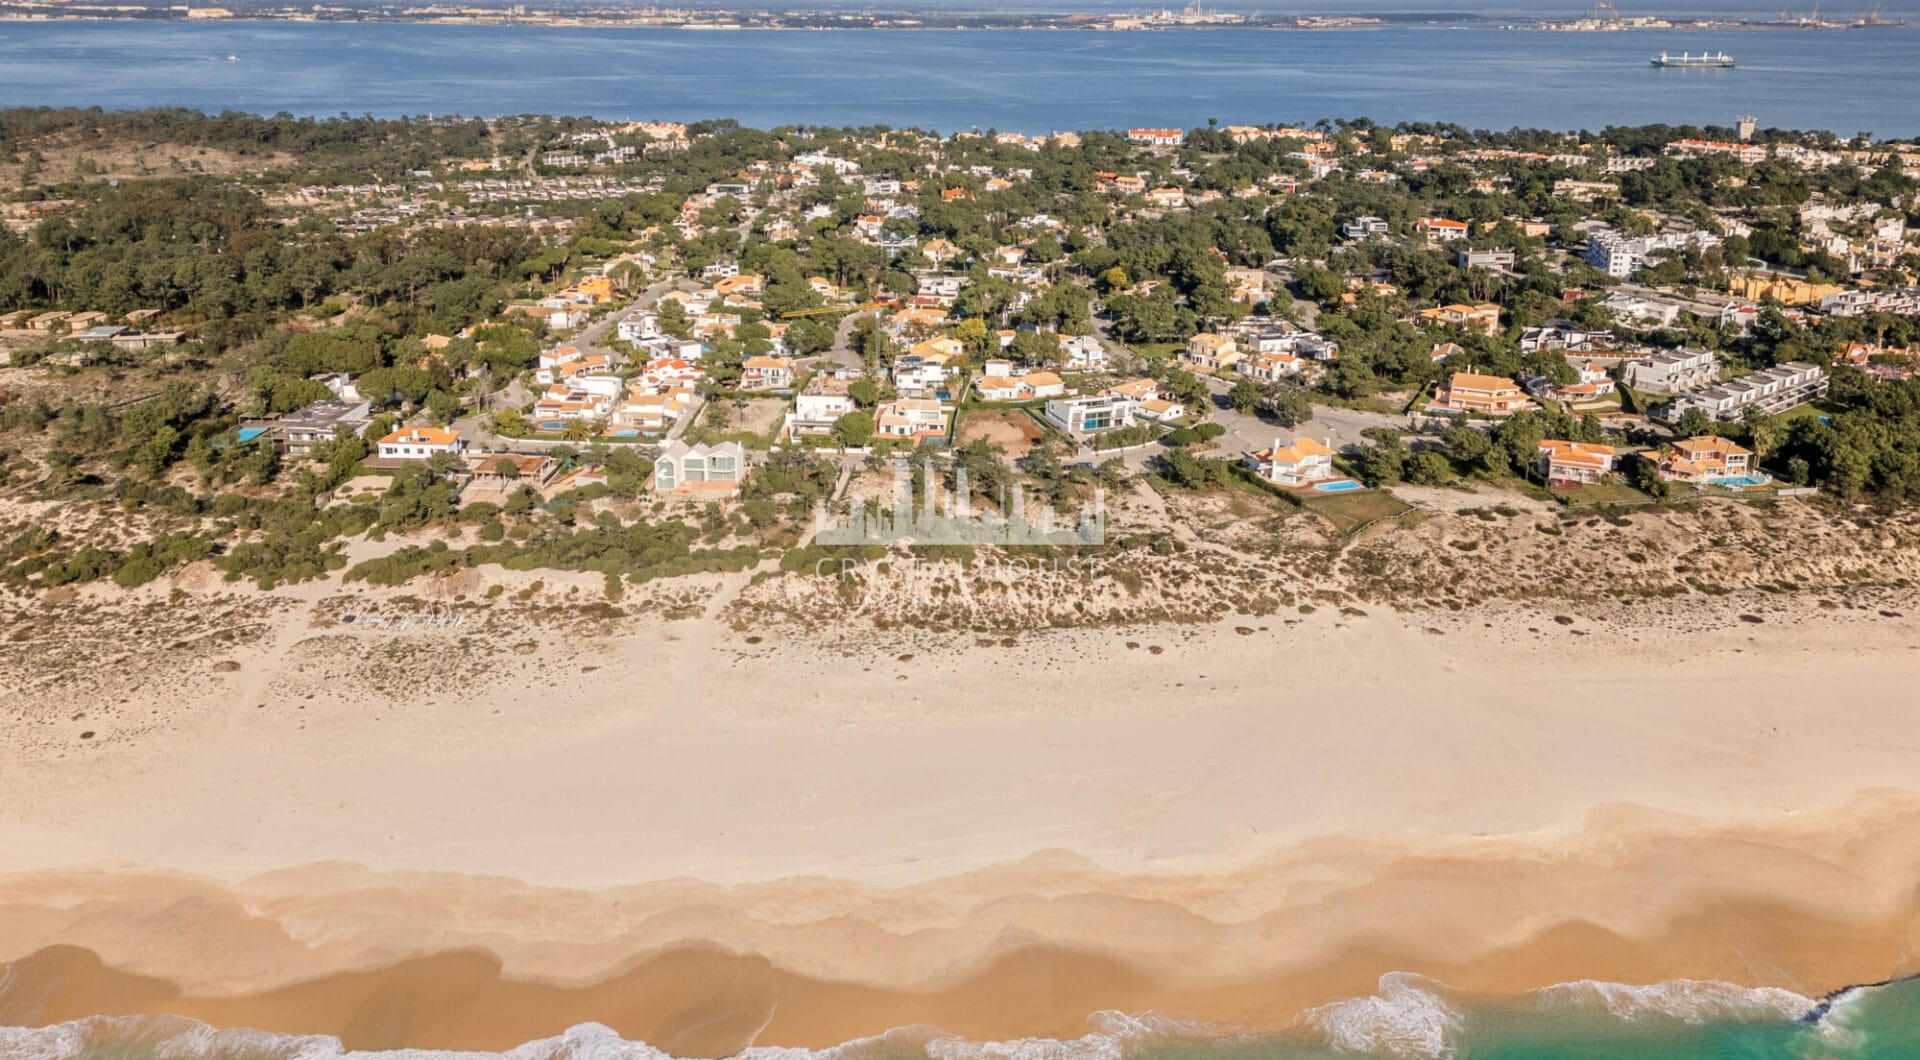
<point>708,837</point>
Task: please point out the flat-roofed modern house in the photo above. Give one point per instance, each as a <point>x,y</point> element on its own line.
<point>915,418</point>
<point>699,471</point>
<point>1362,227</point>
<point>1090,414</point>
<point>296,433</point>
<point>1672,371</point>
<point>1767,391</point>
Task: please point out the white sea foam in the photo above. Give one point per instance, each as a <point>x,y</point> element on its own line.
<point>1112,1034</point>
<point>1688,1000</point>
<point>1838,1027</point>
<point>178,1038</point>
<point>1410,1017</point>
<point>1407,1018</point>
<point>167,1037</point>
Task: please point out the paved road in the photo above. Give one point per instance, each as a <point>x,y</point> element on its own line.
<point>1339,427</point>
<point>593,339</point>
<point>475,427</point>
<point>1705,303</point>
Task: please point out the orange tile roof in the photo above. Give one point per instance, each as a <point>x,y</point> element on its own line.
<point>421,436</point>
<point>1301,449</point>
<point>1708,445</point>
<point>1579,454</point>
<point>1472,381</point>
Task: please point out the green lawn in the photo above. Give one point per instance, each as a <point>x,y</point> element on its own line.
<point>1348,511</point>
<point>1158,351</point>
<point>1600,493</point>
<point>1822,407</point>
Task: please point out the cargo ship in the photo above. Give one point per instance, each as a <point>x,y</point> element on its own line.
<point>1687,59</point>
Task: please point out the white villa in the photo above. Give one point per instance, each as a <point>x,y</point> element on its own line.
<point>1300,464</point>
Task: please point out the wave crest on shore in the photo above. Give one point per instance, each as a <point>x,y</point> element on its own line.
<point>1686,1000</point>
<point>1113,1035</point>
<point>1411,1017</point>
<point>1407,1018</point>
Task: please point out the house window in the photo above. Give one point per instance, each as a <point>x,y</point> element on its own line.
<point>664,474</point>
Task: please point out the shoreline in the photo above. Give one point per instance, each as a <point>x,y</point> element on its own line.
<point>1106,944</point>
<point>1229,822</point>
<point>1067,22</point>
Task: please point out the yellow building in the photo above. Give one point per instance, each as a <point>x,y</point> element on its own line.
<point>1761,286</point>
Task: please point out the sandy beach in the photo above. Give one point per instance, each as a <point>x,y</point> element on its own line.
<point>1498,745</point>
<point>707,837</point>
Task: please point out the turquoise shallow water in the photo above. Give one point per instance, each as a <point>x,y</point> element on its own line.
<point>1408,1018</point>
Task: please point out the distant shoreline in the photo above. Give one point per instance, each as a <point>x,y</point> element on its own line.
<point>1045,22</point>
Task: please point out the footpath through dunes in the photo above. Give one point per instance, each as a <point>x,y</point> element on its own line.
<point>1804,906</point>
<point>996,828</point>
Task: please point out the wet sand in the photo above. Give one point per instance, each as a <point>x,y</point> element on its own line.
<point>706,841</point>
<point>1020,951</point>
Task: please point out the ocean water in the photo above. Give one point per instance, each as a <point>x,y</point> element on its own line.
<point>1478,75</point>
<point>1408,1018</point>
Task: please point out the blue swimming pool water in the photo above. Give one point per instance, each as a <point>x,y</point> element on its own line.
<point>1342,486</point>
<point>1737,481</point>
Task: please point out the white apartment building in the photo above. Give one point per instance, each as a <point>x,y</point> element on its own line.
<point>1673,371</point>
<point>1619,255</point>
<point>1770,390</point>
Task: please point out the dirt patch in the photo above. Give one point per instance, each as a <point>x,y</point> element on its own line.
<point>64,157</point>
<point>755,416</point>
<point>1010,429</point>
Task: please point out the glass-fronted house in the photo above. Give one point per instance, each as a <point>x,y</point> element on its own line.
<point>704,469</point>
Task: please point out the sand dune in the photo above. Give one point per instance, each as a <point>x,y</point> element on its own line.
<point>705,837</point>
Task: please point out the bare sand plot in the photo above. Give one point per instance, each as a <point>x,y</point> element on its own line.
<point>1010,429</point>
<point>756,416</point>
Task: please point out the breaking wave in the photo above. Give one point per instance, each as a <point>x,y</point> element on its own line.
<point>1686,1000</point>
<point>1409,1017</point>
<point>1112,1035</point>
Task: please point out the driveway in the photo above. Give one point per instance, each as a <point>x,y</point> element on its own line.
<point>1340,427</point>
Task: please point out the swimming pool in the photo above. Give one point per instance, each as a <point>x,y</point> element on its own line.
<point>1751,478</point>
<point>1341,485</point>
